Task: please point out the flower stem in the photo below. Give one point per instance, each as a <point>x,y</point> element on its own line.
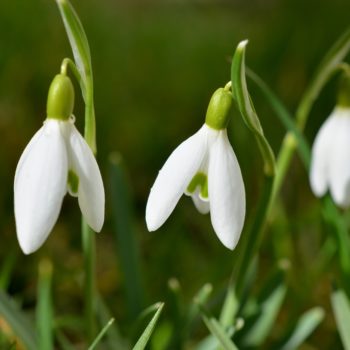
<point>253,237</point>
<point>250,244</point>
<point>68,63</point>
<point>88,243</point>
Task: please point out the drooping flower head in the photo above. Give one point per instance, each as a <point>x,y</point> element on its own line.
<point>330,164</point>
<point>204,167</point>
<point>56,160</point>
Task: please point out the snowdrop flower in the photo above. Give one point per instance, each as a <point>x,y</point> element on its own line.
<point>204,167</point>
<point>330,165</point>
<point>56,160</point>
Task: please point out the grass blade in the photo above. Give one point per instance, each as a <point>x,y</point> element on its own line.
<point>101,334</point>
<point>341,310</point>
<point>18,321</point>
<point>82,57</point>
<point>125,236</point>
<point>145,336</point>
<point>305,326</point>
<point>44,310</point>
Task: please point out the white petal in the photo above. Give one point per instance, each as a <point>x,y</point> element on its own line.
<point>340,161</point>
<point>201,205</point>
<point>226,192</point>
<point>40,185</point>
<point>321,157</point>
<point>174,178</point>
<point>91,194</point>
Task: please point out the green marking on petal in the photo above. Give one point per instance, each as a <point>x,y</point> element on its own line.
<point>199,180</point>
<point>73,182</point>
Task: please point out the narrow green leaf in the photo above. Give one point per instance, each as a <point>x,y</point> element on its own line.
<point>124,234</point>
<point>18,321</point>
<point>284,116</point>
<point>341,310</point>
<point>211,342</point>
<point>101,334</point>
<point>245,105</point>
<point>44,310</point>
<point>268,313</point>
<point>6,268</point>
<point>145,336</point>
<point>332,215</point>
<point>304,327</point>
<point>113,336</point>
<point>63,341</point>
<point>81,52</point>
<point>324,72</point>
<point>200,298</point>
<point>217,330</point>
<point>77,38</point>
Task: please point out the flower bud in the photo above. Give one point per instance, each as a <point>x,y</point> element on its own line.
<point>60,100</point>
<point>217,116</point>
<point>343,97</point>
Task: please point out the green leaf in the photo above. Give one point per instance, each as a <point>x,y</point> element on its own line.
<point>101,334</point>
<point>245,105</point>
<point>332,215</point>
<point>145,336</point>
<point>218,331</point>
<point>6,268</point>
<point>326,69</point>
<point>18,321</point>
<point>341,310</point>
<point>44,310</point>
<point>284,116</point>
<point>63,341</point>
<point>263,324</point>
<point>81,52</point>
<point>77,39</point>
<point>124,235</point>
<point>113,336</point>
<point>304,327</point>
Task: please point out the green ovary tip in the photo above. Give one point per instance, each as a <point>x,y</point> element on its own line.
<point>199,180</point>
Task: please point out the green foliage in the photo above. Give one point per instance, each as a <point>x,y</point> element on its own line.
<point>341,310</point>
<point>155,66</point>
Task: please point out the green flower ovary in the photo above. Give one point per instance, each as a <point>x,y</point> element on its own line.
<point>60,99</point>
<point>73,182</point>
<point>199,180</point>
<point>218,112</point>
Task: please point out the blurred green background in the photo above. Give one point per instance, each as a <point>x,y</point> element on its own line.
<point>156,64</point>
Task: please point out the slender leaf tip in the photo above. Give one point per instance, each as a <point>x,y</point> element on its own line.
<point>241,46</point>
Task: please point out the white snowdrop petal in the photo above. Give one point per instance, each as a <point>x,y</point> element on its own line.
<point>226,192</point>
<point>201,205</point>
<point>340,161</point>
<point>91,194</point>
<point>174,178</point>
<point>322,152</point>
<point>40,185</point>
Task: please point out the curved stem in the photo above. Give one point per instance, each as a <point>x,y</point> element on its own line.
<point>68,63</point>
